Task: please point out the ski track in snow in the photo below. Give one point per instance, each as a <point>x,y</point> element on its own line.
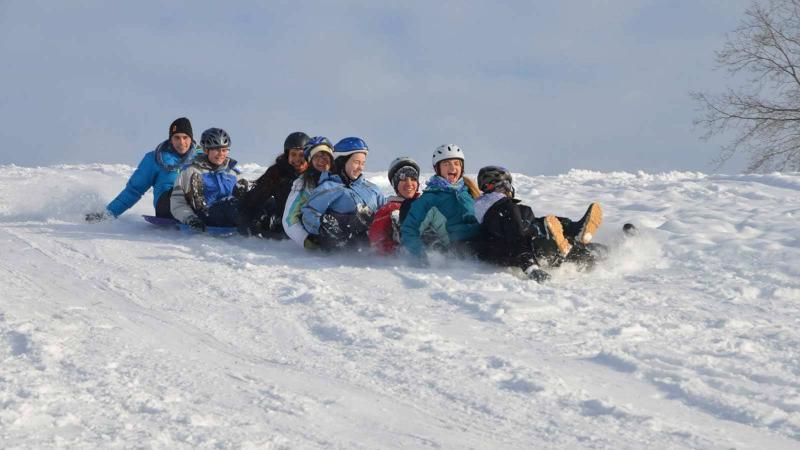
<point>121,334</point>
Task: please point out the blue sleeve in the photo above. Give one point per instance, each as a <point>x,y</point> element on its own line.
<point>142,179</point>
<point>318,203</point>
<point>409,230</point>
<point>382,199</point>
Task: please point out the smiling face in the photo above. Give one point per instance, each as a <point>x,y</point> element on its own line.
<point>217,155</point>
<point>407,187</point>
<point>321,161</point>
<point>181,143</point>
<point>296,159</point>
<point>450,169</point>
<point>355,165</point>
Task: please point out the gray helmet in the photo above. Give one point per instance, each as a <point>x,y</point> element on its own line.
<point>492,178</point>
<point>215,138</point>
<point>400,163</point>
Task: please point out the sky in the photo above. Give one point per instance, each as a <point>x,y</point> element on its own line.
<point>538,87</point>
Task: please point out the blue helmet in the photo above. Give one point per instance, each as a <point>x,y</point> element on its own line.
<point>350,145</point>
<point>317,141</point>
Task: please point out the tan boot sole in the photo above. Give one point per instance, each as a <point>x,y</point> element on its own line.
<point>593,221</point>
<point>556,232</point>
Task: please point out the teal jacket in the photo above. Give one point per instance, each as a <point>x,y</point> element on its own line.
<point>444,213</point>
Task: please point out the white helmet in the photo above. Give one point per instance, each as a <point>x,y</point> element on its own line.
<point>447,151</point>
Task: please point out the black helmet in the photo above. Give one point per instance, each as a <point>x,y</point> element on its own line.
<point>491,178</point>
<point>298,139</point>
<point>215,138</point>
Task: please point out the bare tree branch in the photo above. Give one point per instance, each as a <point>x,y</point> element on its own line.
<point>764,113</point>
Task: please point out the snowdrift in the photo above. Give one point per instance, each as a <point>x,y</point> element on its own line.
<point>121,334</point>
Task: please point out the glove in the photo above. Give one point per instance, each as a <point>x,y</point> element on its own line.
<point>330,228</point>
<point>396,225</point>
<point>364,214</point>
<point>196,224</point>
<point>311,242</point>
<point>241,188</point>
<point>95,217</point>
<point>536,274</point>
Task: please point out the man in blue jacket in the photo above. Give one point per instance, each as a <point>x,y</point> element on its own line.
<point>158,170</point>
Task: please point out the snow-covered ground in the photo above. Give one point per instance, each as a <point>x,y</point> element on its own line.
<point>121,334</point>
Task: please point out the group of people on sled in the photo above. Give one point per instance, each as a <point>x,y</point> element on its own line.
<point>316,195</point>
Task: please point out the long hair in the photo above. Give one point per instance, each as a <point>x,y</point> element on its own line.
<point>472,186</point>
<point>263,185</point>
<point>311,177</point>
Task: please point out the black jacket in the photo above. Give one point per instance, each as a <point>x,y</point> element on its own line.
<point>507,231</point>
<point>268,196</point>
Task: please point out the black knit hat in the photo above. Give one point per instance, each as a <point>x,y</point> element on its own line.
<point>181,125</point>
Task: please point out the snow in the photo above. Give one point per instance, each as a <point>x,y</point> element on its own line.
<point>121,334</point>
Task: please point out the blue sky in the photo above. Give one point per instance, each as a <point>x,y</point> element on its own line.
<point>539,87</point>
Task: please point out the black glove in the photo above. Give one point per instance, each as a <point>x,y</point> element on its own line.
<point>537,275</point>
<point>329,227</point>
<point>196,224</point>
<point>95,217</point>
<point>241,188</point>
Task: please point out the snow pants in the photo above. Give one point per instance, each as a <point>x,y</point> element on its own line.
<point>224,213</point>
<point>162,205</point>
<point>340,231</point>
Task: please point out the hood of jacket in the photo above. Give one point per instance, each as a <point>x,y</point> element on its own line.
<point>170,160</point>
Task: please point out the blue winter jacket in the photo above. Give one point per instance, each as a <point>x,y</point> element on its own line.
<point>158,169</point>
<point>443,208</point>
<point>217,183</point>
<point>333,195</point>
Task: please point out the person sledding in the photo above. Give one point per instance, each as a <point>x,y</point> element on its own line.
<point>318,152</point>
<point>158,170</point>
<point>443,217</point>
<point>512,236</point>
<point>263,206</point>
<point>208,190</point>
<point>384,233</point>
<point>340,210</point>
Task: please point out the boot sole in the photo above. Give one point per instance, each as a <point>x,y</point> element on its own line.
<point>594,217</point>
<point>556,232</point>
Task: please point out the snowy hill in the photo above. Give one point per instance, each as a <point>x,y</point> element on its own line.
<point>123,335</point>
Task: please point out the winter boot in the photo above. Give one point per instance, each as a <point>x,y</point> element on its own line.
<point>196,194</point>
<point>546,252</point>
<point>590,222</point>
<point>556,233</point>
